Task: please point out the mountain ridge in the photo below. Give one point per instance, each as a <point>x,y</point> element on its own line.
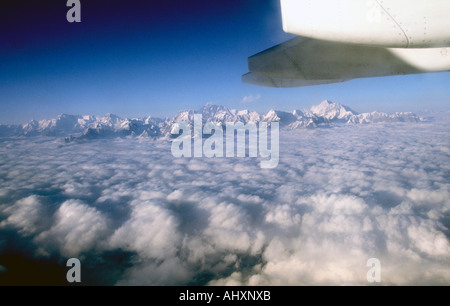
<point>89,126</point>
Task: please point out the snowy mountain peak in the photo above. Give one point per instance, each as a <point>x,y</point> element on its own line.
<point>333,111</point>
<point>271,116</point>
<point>328,102</point>
<point>219,113</point>
<point>64,116</point>
<point>243,112</point>
<point>213,111</point>
<point>112,116</point>
<point>186,116</point>
<point>110,125</point>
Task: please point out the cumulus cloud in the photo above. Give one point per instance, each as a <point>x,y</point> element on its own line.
<point>28,215</point>
<point>77,228</point>
<point>338,197</point>
<point>151,231</point>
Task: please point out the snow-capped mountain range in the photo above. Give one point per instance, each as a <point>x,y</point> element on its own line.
<point>77,127</point>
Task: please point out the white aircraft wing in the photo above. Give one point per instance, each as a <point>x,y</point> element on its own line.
<point>346,39</point>
<point>305,62</point>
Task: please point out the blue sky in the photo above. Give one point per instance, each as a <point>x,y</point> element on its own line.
<point>136,58</point>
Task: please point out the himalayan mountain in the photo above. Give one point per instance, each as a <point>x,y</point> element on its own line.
<point>73,127</point>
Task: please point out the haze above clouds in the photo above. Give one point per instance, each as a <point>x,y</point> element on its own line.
<point>338,197</point>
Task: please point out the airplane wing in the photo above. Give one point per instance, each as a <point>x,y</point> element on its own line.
<point>305,61</point>
<point>337,49</point>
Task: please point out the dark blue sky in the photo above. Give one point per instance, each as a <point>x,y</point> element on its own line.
<point>138,57</point>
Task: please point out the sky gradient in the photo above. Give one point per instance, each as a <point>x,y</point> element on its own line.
<point>137,58</point>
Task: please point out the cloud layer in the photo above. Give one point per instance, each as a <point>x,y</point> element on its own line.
<point>338,197</point>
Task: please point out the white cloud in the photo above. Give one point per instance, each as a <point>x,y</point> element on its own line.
<point>28,215</point>
<point>284,216</point>
<point>338,197</point>
<point>168,272</point>
<point>78,228</point>
<point>250,98</point>
<point>151,231</point>
<point>235,279</point>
